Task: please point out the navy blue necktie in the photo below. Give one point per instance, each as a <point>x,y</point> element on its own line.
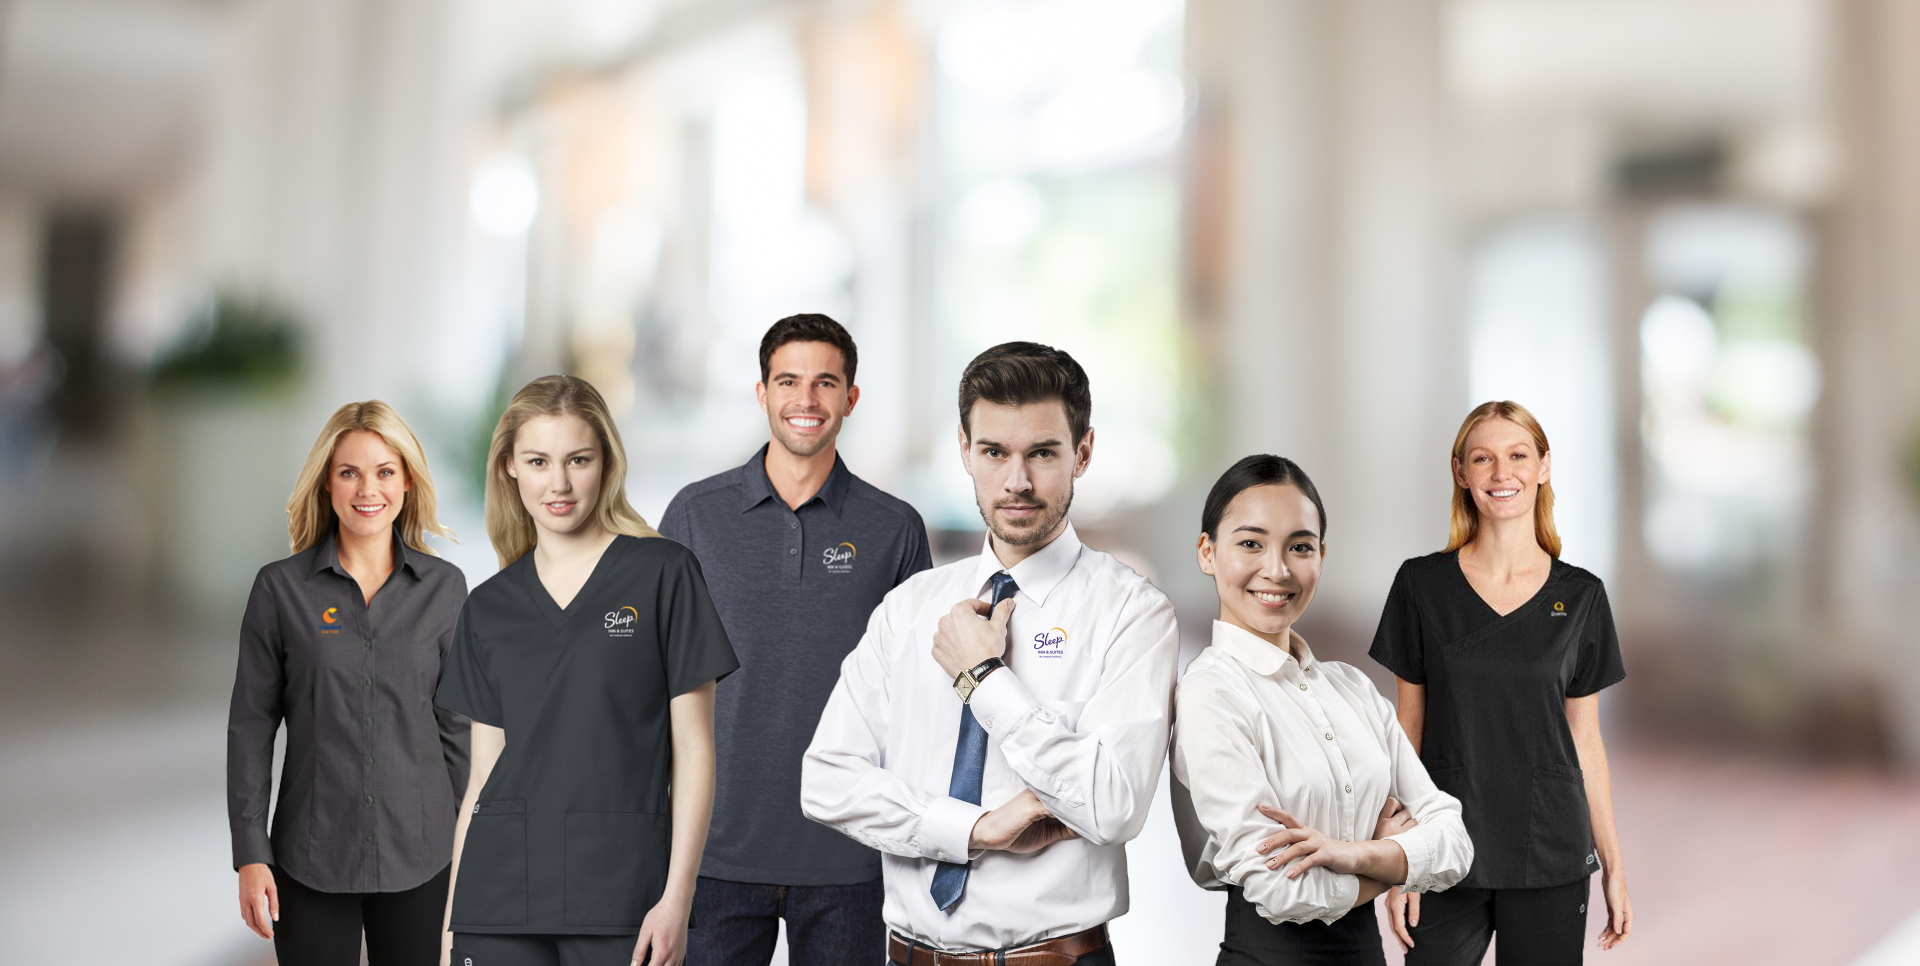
<point>969,763</point>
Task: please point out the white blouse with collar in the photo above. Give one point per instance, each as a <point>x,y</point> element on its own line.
<point>1254,725</point>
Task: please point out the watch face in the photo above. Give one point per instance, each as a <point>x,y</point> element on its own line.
<point>964,687</point>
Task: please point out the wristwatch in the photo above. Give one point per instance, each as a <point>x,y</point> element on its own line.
<point>971,677</point>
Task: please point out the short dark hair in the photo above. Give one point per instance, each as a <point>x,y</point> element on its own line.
<point>1260,470</point>
<point>1018,373</point>
<point>808,327</point>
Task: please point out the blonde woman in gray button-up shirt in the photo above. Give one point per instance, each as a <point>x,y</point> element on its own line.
<point>343,643</point>
<point>1289,772</point>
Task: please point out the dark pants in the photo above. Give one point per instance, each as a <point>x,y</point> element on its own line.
<point>1537,927</point>
<point>736,923</point>
<point>323,928</point>
<point>1251,940</point>
<point>484,949</point>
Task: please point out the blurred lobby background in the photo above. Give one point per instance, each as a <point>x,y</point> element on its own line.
<point>1686,233</point>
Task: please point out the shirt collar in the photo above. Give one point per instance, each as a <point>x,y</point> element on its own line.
<point>1259,656</point>
<point>759,486</point>
<point>327,555</point>
<point>1037,575</point>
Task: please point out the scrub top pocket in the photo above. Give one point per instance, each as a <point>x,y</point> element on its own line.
<point>616,866</point>
<point>492,886</point>
<point>1559,833</point>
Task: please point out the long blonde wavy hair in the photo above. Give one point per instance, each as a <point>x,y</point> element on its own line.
<point>509,526</point>
<point>1466,516</point>
<point>310,515</point>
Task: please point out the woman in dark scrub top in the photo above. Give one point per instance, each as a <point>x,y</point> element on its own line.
<point>1501,649</point>
<point>587,665</point>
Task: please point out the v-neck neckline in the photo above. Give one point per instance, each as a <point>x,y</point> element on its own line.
<point>1553,569</point>
<point>556,614</point>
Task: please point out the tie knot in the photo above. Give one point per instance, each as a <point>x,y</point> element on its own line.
<point>1003,587</point>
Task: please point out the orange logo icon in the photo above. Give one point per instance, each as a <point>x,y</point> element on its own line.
<point>331,615</point>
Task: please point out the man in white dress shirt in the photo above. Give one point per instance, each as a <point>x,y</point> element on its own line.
<point>998,731</point>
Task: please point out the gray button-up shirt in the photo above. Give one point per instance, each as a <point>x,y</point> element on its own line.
<point>374,771</point>
<point>794,588</point>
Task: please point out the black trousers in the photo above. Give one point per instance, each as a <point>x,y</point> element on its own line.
<point>323,928</point>
<point>1251,940</point>
<point>738,923</point>
<point>1537,927</point>
<point>518,949</point>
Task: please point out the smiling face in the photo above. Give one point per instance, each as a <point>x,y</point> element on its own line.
<point>1266,562</point>
<point>806,396</point>
<point>367,482</point>
<point>557,464</point>
<point>1023,464</point>
<point>1502,470</point>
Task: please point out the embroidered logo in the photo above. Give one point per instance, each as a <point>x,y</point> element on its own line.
<point>330,620</point>
<point>838,558</point>
<point>620,622</point>
<point>1050,642</point>
<point>1559,608</point>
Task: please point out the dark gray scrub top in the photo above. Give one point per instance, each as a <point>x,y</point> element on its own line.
<point>795,589</point>
<point>1496,734</point>
<point>572,831</point>
<point>374,772</point>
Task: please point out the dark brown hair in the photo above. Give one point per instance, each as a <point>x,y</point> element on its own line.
<point>1259,470</point>
<point>810,327</point>
<point>1018,373</point>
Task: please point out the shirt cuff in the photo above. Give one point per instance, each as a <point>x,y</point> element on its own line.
<point>1346,895</point>
<point>946,829</point>
<point>250,846</point>
<point>1001,701</point>
<point>1419,845</point>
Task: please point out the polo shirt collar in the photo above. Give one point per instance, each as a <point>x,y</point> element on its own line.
<point>327,554</point>
<point>1259,656</point>
<point>1037,575</point>
<point>758,486</point>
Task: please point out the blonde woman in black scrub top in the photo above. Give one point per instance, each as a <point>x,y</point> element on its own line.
<point>1501,649</point>
<point>587,665</point>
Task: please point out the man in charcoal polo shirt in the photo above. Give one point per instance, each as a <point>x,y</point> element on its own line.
<point>797,553</point>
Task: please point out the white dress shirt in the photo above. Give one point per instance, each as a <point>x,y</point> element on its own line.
<point>1253,726</point>
<point>1079,715</point>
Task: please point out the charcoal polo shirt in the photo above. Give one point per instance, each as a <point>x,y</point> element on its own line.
<point>572,832</point>
<point>795,588</point>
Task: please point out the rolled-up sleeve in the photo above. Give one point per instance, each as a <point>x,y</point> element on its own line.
<point>1216,759</point>
<point>253,719</point>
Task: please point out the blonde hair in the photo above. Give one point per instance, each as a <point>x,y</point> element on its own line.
<point>509,525</point>
<point>1466,516</point>
<point>310,515</point>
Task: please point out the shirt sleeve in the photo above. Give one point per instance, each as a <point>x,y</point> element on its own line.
<point>673,521</point>
<point>1216,757</point>
<point>456,730</point>
<point>1598,665</point>
<point>842,782</point>
<point>693,642</point>
<point>1396,642</point>
<point>1439,851</point>
<point>253,719</point>
<point>919,555</point>
<point>1096,775</point>
<point>465,686</point>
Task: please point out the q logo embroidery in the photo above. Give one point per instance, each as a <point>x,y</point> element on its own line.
<point>1050,642</point>
<point>620,623</point>
<point>329,618</point>
<point>1559,608</point>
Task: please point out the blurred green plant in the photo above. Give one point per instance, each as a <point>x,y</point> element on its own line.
<point>240,340</point>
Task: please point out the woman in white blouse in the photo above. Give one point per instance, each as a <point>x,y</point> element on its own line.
<point>1286,769</point>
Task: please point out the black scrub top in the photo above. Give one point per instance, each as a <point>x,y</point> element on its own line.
<point>571,833</point>
<point>1496,734</point>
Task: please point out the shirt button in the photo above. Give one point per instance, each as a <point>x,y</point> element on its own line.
<point>988,723</point>
<point>369,838</point>
<point>369,761</point>
<point>1303,687</point>
<point>793,526</point>
<point>942,856</point>
<point>1329,736</point>
<point>369,799</point>
<point>791,551</point>
<point>1349,788</point>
